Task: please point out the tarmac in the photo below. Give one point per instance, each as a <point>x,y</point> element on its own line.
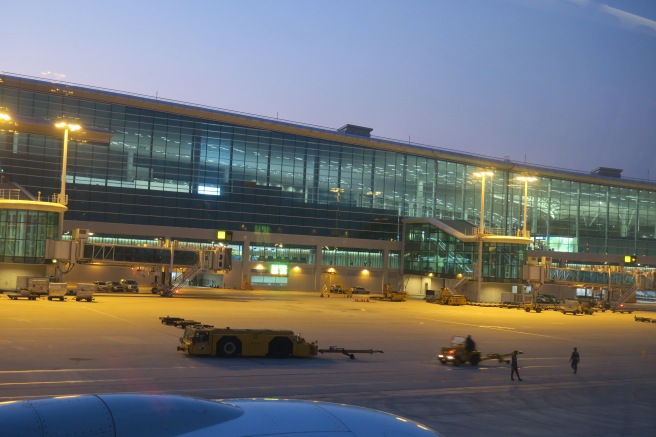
<point>117,344</point>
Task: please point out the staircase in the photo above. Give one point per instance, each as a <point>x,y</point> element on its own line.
<point>625,296</point>
<point>461,282</point>
<point>189,274</point>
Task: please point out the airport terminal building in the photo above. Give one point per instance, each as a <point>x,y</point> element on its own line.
<point>301,206</point>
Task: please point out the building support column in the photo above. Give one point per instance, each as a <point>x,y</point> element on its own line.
<point>385,273</point>
<point>246,264</point>
<point>318,268</point>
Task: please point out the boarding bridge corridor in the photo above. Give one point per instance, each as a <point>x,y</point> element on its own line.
<point>190,261</point>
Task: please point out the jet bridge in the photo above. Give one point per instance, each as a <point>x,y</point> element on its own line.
<point>592,277</point>
<point>621,285</point>
<point>191,261</point>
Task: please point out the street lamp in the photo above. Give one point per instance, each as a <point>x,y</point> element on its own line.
<point>72,127</point>
<point>38,126</point>
<point>338,191</point>
<point>526,180</point>
<point>67,127</point>
<point>373,195</point>
<point>481,228</point>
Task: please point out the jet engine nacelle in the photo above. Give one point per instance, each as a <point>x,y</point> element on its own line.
<point>127,415</point>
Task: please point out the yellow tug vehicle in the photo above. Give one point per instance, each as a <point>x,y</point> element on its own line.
<point>457,354</point>
<point>199,339</point>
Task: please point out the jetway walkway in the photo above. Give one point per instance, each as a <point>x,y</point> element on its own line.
<point>130,255</point>
<point>190,262</point>
<point>591,277</point>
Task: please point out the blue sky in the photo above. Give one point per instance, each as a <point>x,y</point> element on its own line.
<point>563,83</point>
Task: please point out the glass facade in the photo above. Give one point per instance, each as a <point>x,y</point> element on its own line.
<point>23,235</point>
<point>167,169</point>
<point>276,253</point>
<point>431,251</point>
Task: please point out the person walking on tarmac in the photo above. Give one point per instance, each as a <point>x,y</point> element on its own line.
<point>574,359</point>
<point>470,345</point>
<point>514,369</point>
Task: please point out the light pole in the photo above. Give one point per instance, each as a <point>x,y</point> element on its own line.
<point>481,229</point>
<point>67,126</point>
<point>526,180</point>
<point>338,191</point>
<point>373,195</point>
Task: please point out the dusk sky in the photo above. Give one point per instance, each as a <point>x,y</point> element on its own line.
<point>569,84</point>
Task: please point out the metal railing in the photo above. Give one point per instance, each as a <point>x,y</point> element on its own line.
<point>10,194</point>
<point>489,231</point>
<point>189,274</point>
<point>627,294</point>
<point>521,233</point>
<point>17,194</point>
<point>567,275</point>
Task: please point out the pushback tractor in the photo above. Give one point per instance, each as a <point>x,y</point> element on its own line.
<point>199,339</point>
<point>226,342</point>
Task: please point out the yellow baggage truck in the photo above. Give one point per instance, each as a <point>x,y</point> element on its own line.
<point>227,342</point>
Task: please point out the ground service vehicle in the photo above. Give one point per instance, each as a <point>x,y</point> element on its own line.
<point>543,302</point>
<point>620,308</point>
<point>30,288</point>
<point>392,295</point>
<point>160,289</point>
<point>456,353</point>
<point>35,285</point>
<point>130,285</point>
<point>202,339</point>
<point>456,299</point>
<point>528,306</point>
<point>395,296</point>
<point>446,297</point>
<point>84,291</point>
<point>227,342</point>
<point>27,294</point>
<point>57,290</point>
<point>575,307</point>
<point>538,306</point>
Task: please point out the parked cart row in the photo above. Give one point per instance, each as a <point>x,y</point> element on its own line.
<point>53,291</point>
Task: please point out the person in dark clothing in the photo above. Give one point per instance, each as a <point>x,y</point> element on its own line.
<point>514,369</point>
<point>574,359</point>
<point>470,345</point>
